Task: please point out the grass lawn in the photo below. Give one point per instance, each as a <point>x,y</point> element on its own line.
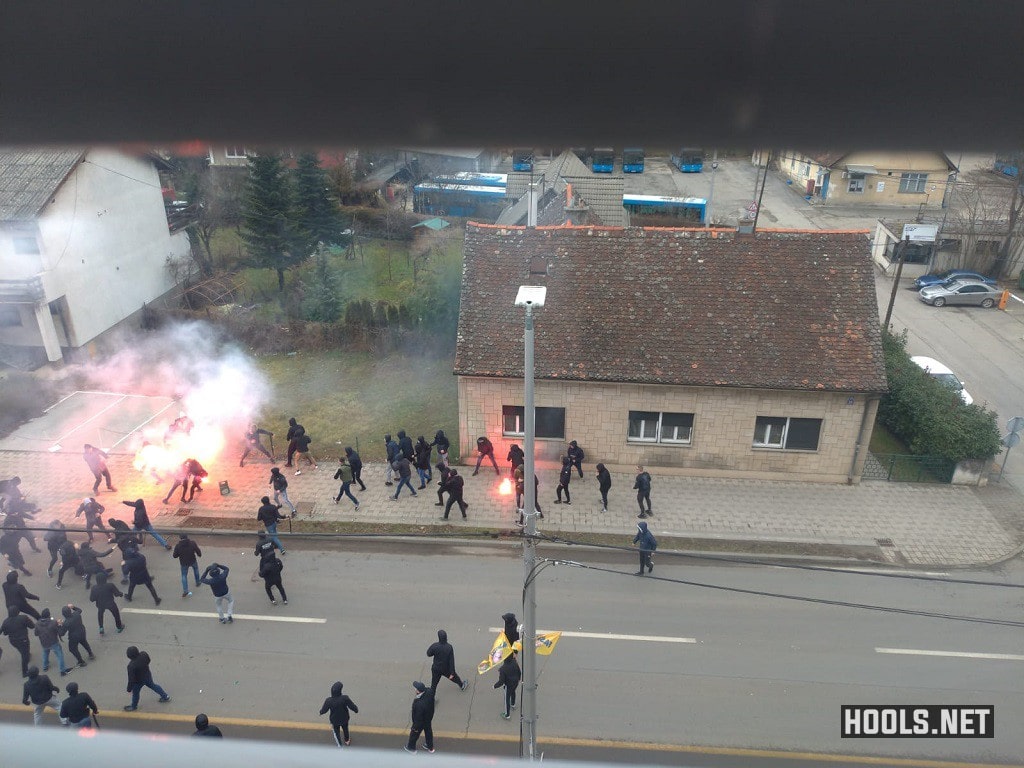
<point>883,442</point>
<point>352,398</point>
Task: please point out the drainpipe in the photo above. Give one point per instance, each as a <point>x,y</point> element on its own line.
<point>860,439</point>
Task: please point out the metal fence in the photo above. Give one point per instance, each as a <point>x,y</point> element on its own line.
<point>906,468</point>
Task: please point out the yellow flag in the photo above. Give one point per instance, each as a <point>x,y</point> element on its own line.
<point>499,651</point>
<point>546,643</point>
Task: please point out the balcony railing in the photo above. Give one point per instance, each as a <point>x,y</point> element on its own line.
<point>26,291</point>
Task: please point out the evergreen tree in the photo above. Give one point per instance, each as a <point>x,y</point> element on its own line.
<point>315,211</point>
<point>324,305</point>
<point>267,226</point>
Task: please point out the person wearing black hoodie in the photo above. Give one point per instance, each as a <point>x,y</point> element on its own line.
<point>142,522</point>
<point>270,515</point>
<point>103,594</point>
<point>455,486</point>
<point>509,675</point>
<point>39,692</point>
<point>138,574</point>
<point>357,467</point>
<point>54,537</point>
<point>16,596</point>
<point>78,708</point>
<point>485,447</point>
<point>575,455</point>
<point>391,453</point>
<point>511,627</point>
<point>442,444</point>
<point>9,546</point>
<point>647,544</point>
<point>216,575</point>
<point>91,565</point>
<point>442,485</point>
<point>423,452</point>
<point>444,663</point>
<point>93,512</point>
<point>295,430</point>
<point>17,520</point>
<point>69,560</point>
<point>74,628</point>
<point>422,718</point>
<point>16,627</point>
<point>515,457</point>
<point>564,478</point>
<point>604,484</point>
<point>48,631</point>
<point>139,677</point>
<point>339,704</point>
<point>187,553</point>
<point>203,727</point>
<point>270,569</point>
<point>405,445</point>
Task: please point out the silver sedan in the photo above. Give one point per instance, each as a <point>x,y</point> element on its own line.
<point>960,292</point>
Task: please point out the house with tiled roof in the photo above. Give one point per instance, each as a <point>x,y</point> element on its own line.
<point>695,351</point>
<point>869,177</point>
<point>85,242</point>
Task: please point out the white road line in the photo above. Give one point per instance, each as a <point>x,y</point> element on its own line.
<point>610,636</point>
<point>887,571</point>
<point>954,654</point>
<point>211,615</point>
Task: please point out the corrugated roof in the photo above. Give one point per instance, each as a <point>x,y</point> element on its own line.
<point>29,178</point>
<point>696,307</point>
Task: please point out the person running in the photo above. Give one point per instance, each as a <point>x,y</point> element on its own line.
<point>187,553</point>
<point>509,675</point>
<point>91,565</point>
<point>103,594</point>
<point>48,631</point>
<point>69,560</point>
<point>270,569</point>
<point>138,573</point>
<point>16,627</point>
<point>422,718</point>
<point>575,455</point>
<point>604,484</point>
<point>455,487</point>
<point>38,692</point>
<point>339,705</point>
<point>216,575</point>
<point>16,520</point>
<point>294,430</point>
<point>357,467</point>
<point>564,478</point>
<point>74,628</point>
<point>55,536</point>
<point>280,485</point>
<point>270,515</point>
<point>445,473</point>
<point>302,449</point>
<point>203,727</point>
<point>423,451</point>
<point>264,546</point>
<point>405,446</point>
<point>404,468</point>
<point>516,458</point>
<point>180,481</point>
<point>93,512</point>
<point>142,523</point>
<point>344,474</point>
<point>78,708</point>
<point>97,461</point>
<point>140,676</point>
<point>444,663</point>
<point>16,596</point>
<point>442,444</point>
<point>196,475</point>
<point>11,549</point>
<point>647,544</point>
<point>485,448</point>
<point>252,443</point>
<point>642,486</point>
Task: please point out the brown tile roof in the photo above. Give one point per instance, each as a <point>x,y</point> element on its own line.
<point>782,310</point>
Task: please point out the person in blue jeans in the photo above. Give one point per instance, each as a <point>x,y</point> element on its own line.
<point>270,515</point>
<point>280,484</point>
<point>139,677</point>
<point>48,632</point>
<point>404,468</point>
<point>142,522</point>
<point>187,551</point>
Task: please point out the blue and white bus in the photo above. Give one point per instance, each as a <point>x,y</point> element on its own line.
<point>473,179</point>
<point>689,160</point>
<point>1007,168</point>
<point>604,160</point>
<point>465,200</point>
<point>522,160</point>
<point>633,160</point>
<point>661,211</point>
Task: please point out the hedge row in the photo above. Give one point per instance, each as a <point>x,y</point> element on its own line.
<point>929,417</point>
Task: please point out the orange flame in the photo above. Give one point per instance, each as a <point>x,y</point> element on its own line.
<point>505,487</point>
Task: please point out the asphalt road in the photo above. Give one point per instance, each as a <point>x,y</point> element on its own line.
<point>659,665</point>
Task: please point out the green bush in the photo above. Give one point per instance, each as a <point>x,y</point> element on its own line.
<point>930,417</point>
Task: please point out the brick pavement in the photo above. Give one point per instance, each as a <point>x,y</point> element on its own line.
<point>929,525</point>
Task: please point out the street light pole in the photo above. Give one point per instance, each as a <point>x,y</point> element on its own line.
<point>902,247</point>
<point>529,296</point>
<point>711,194</point>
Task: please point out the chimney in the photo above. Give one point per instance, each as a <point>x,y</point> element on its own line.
<point>575,209</point>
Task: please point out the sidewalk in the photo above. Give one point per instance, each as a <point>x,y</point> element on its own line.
<point>919,525</point>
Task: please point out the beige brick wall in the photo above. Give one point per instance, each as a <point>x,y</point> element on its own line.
<point>596,415</point>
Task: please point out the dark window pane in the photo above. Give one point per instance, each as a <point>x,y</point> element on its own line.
<point>676,427</point>
<point>551,422</point>
<point>643,425</point>
<point>512,419</point>
<point>803,434</point>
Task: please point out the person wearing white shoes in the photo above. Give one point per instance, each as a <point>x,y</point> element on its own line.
<point>422,718</point>
<point>216,575</point>
<point>444,663</point>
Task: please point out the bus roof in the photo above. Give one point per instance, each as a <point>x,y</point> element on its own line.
<point>662,200</point>
<point>470,189</point>
<point>469,177</point>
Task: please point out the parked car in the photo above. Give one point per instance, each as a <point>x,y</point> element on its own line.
<point>960,292</point>
<point>952,274</point>
<point>943,375</point>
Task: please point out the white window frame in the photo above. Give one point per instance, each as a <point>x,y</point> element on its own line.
<point>780,445</point>
<point>231,153</point>
<point>856,177</point>
<point>520,412</point>
<point>919,182</point>
<point>659,429</point>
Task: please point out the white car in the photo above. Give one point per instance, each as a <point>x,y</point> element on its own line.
<point>937,370</point>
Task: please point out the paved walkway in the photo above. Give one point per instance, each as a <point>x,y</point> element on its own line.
<point>927,525</point>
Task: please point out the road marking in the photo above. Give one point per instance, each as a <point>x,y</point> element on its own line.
<point>566,741</point>
<point>610,636</point>
<point>210,615</point>
<point>886,571</point>
<point>954,654</point>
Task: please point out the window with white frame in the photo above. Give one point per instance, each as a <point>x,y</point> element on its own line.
<point>805,170</point>
<point>913,182</point>
<point>548,422</point>
<point>787,433</point>
<point>660,427</point>
<point>235,153</point>
<point>856,183</point>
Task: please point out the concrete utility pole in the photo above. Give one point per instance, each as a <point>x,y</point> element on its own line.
<point>529,296</point>
<point>711,194</point>
<point>895,282</point>
<point>764,180</point>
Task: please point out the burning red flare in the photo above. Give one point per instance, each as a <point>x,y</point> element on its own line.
<point>505,487</point>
